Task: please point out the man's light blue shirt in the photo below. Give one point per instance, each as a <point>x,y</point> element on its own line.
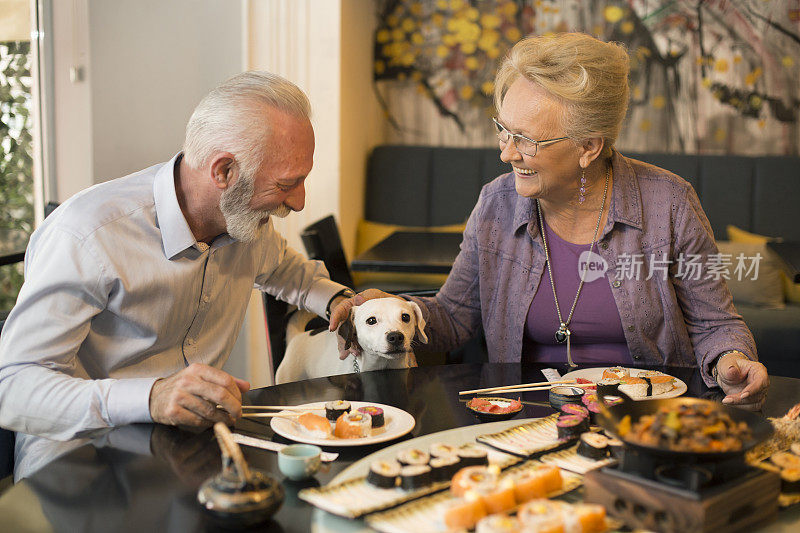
<point>119,293</point>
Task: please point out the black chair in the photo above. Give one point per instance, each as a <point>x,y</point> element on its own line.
<point>276,314</point>
<point>324,243</point>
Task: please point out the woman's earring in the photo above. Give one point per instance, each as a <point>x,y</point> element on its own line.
<point>582,190</point>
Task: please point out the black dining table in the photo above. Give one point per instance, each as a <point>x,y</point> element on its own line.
<point>145,477</point>
<point>427,252</point>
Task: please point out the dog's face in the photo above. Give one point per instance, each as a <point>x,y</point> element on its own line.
<point>384,327</point>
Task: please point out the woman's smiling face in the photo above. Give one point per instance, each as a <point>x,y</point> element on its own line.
<point>553,173</point>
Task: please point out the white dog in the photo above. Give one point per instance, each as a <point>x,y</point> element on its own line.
<point>382,328</point>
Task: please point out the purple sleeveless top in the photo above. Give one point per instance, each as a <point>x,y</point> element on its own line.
<point>597,335</point>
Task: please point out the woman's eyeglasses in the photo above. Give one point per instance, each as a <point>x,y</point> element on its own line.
<point>523,144</point>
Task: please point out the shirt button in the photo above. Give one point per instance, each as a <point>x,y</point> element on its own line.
<point>206,299</point>
<point>604,245</point>
<point>636,357</point>
<point>616,283</point>
<point>631,328</point>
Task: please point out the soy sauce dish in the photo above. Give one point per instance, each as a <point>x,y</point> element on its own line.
<point>494,409</point>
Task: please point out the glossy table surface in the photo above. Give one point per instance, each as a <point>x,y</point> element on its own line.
<point>145,477</point>
<point>411,251</point>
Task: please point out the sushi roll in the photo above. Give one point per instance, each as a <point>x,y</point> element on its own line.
<point>636,388</point>
<point>586,517</point>
<point>529,485</point>
<point>589,398</point>
<point>413,457</point>
<point>616,447</point>
<point>574,409</point>
<point>608,386</point>
<point>383,474</point>
<point>315,425</point>
<point>473,478</point>
<point>473,456</point>
<point>571,426</point>
<point>790,480</point>
<point>463,513</point>
<point>443,468</point>
<point>564,394</point>
<point>414,477</point>
<point>543,515</point>
<point>616,372</point>
<point>500,523</point>
<point>440,449</point>
<point>594,409</point>
<point>613,400</point>
<point>499,498</point>
<point>593,446</point>
<point>661,384</point>
<point>551,475</point>
<point>353,425</point>
<point>375,412</point>
<point>335,409</point>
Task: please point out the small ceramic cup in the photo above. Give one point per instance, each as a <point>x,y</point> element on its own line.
<point>299,461</point>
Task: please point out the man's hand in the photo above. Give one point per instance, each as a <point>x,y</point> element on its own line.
<point>744,382</point>
<point>190,397</point>
<point>341,313</point>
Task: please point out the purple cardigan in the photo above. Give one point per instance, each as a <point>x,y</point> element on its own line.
<point>677,321</point>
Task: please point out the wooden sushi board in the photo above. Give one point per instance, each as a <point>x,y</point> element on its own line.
<point>526,440</point>
<point>649,505</point>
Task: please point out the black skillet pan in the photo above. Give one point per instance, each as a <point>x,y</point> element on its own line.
<point>609,418</point>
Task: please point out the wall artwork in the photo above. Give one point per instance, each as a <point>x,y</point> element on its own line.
<point>713,76</point>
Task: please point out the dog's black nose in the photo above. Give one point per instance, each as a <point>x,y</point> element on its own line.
<point>395,338</point>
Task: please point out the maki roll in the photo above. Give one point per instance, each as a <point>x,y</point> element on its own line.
<point>574,409</point>
<point>375,412</point>
<point>463,513</point>
<point>561,395</point>
<point>443,468</point>
<point>473,456</point>
<point>593,408</point>
<point>593,446</point>
<point>440,449</point>
<point>415,477</point>
<point>500,498</point>
<point>589,398</point>
<point>474,478</point>
<point>571,426</point>
<point>500,523</point>
<point>335,409</point>
<point>413,457</point>
<point>608,386</point>
<point>383,474</point>
<point>616,448</point>
<point>353,426</point>
<point>616,372</point>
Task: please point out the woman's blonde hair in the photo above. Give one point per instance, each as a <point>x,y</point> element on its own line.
<point>588,76</point>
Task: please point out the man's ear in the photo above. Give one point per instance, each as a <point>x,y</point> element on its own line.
<point>347,330</point>
<point>420,322</point>
<point>224,170</point>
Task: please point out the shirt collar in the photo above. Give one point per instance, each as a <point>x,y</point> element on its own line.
<point>626,200</point>
<point>175,233</point>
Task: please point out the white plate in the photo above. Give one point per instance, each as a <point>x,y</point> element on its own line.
<point>596,374</point>
<point>397,423</point>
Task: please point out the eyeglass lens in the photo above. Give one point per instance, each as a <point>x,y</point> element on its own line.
<point>521,143</point>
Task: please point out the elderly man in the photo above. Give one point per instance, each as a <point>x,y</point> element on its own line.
<point>136,288</point>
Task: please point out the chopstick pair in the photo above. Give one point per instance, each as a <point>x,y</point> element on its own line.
<point>524,387</point>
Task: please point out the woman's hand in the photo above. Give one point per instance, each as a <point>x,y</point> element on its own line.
<point>744,382</point>
<point>341,313</point>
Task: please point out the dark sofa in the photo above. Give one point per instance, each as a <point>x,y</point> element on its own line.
<point>757,194</point>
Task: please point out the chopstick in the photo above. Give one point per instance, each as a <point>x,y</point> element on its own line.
<point>544,384</point>
<point>271,415</point>
<point>281,407</point>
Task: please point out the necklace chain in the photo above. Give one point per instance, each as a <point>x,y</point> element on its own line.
<point>563,333</point>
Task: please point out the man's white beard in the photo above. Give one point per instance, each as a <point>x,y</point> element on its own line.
<point>243,223</point>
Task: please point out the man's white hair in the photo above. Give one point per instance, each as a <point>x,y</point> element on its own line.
<point>231,118</point>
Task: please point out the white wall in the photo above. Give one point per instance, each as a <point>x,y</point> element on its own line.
<point>146,64</point>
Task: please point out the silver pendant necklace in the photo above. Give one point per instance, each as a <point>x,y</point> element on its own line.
<point>563,333</point>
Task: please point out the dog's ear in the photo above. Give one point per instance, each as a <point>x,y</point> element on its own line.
<point>420,322</point>
<point>347,330</point>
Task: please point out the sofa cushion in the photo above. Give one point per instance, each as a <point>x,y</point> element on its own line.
<point>764,287</point>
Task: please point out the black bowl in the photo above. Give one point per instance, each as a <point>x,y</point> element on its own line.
<point>485,416</point>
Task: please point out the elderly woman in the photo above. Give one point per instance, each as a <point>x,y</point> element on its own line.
<point>581,254</point>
